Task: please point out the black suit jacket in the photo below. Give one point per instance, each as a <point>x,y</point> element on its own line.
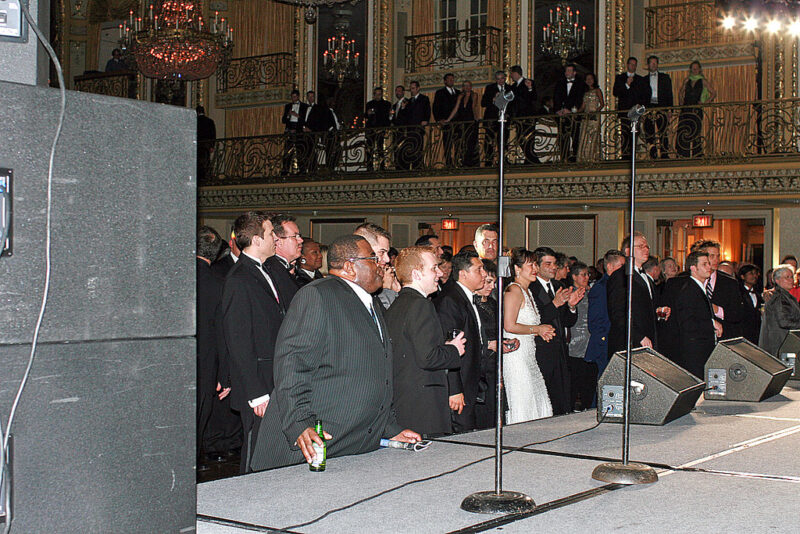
<point>643,312</point>
<point>728,296</point>
<point>751,326</point>
<point>443,103</point>
<point>331,364</point>
<point>490,111</point>
<point>206,129</point>
<point>418,110</point>
<point>524,103</point>
<point>251,318</point>
<point>664,97</point>
<point>380,113</point>
<point>320,119</point>
<point>691,312</point>
<point>456,312</point>
<point>548,353</point>
<point>421,360</point>
<point>303,279</point>
<point>562,100</point>
<point>222,266</point>
<point>209,296</point>
<point>637,93</point>
<point>284,280</point>
<point>286,118</point>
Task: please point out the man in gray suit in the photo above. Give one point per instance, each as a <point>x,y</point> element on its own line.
<point>333,362</point>
<point>781,312</point>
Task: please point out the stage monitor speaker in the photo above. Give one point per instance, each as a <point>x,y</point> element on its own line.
<point>789,350</point>
<point>737,370</point>
<point>661,391</point>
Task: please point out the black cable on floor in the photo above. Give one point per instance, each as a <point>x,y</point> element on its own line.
<point>439,475</point>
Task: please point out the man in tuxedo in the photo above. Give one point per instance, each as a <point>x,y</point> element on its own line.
<point>206,137</point>
<point>631,90</point>
<point>307,148</point>
<point>293,120</point>
<point>567,100</point>
<point>421,355</point>
<point>381,241</point>
<point>643,303</point>
<point>696,330</point>
<point>781,312</point>
<point>323,125</point>
<point>281,266</point>
<point>251,316</point>
<point>378,114</point>
<point>333,363</point>
<point>522,107</point>
<point>598,322</point>
<point>724,292</point>
<point>431,240</point>
<point>226,259</point>
<point>491,113</point>
<point>654,124</point>
<point>556,305</point>
<point>415,116</point>
<point>753,300</point>
<point>309,263</point>
<point>457,309</point>
<point>400,132</point>
<point>444,101</point>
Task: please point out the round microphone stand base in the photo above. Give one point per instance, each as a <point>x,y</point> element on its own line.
<point>504,502</point>
<point>628,474</point>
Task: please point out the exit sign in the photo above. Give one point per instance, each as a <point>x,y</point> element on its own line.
<point>704,220</point>
<point>450,224</point>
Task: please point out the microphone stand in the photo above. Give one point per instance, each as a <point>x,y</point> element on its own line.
<point>499,501</point>
<point>626,472</point>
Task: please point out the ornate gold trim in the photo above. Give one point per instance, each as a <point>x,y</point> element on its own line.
<point>794,67</point>
<point>619,35</point>
<point>779,45</point>
<point>506,34</point>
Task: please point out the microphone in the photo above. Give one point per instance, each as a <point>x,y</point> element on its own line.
<point>502,99</point>
<point>636,112</point>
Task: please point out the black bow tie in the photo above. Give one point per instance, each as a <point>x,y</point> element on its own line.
<point>570,80</point>
<point>476,300</point>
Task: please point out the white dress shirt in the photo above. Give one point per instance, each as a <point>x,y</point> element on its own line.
<point>296,109</point>
<point>703,289</point>
<point>469,294</point>
<point>366,300</point>
<point>654,87</point>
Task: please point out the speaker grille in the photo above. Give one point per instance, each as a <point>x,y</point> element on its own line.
<point>562,233</point>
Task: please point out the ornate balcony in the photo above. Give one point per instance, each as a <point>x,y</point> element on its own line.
<point>121,83</point>
<point>739,148</point>
<point>256,80</point>
<point>474,53</point>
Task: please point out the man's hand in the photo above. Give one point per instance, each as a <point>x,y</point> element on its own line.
<point>407,436</point>
<point>666,310</point>
<point>529,84</point>
<point>562,296</point>
<point>222,392</point>
<point>261,408</point>
<point>458,342</point>
<point>305,439</point>
<point>576,297</point>
<point>630,81</point>
<point>457,402</point>
<point>646,342</point>
<point>717,309</point>
<point>492,345</point>
<point>718,328</point>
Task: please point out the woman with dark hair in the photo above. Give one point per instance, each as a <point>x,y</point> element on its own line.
<point>525,388</point>
<point>589,146</point>
<point>583,374</point>
<point>697,89</point>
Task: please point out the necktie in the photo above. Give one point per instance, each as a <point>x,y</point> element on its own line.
<point>476,300</point>
<point>377,323</point>
<point>550,291</point>
<point>709,289</point>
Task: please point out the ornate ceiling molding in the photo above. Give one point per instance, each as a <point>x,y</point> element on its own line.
<point>717,53</point>
<point>483,190</point>
<point>261,97</point>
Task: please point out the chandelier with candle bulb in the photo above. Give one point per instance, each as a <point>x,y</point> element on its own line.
<point>563,36</point>
<point>171,40</point>
<point>340,59</point>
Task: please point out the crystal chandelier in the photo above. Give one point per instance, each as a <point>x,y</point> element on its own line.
<point>312,6</point>
<point>172,41</point>
<point>340,60</point>
<point>563,36</point>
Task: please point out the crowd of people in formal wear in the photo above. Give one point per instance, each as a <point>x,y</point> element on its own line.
<point>564,126</point>
<point>380,343</point>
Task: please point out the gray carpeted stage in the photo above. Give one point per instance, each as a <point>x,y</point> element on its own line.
<point>739,471</point>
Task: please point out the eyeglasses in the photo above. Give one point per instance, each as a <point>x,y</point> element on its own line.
<point>370,258</point>
<point>295,236</point>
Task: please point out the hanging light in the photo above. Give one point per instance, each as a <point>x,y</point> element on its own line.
<point>172,41</point>
<point>564,36</point>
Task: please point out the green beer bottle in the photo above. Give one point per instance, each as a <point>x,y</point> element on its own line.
<point>321,451</point>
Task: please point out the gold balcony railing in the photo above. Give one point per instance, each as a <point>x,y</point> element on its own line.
<point>444,50</point>
<point>717,133</point>
<point>121,83</point>
<point>684,24</point>
<point>257,72</point>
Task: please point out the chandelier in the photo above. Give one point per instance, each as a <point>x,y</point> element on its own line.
<point>312,6</point>
<point>172,41</point>
<point>340,60</point>
<point>563,36</point>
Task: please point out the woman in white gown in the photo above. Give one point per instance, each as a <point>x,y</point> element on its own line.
<point>524,385</point>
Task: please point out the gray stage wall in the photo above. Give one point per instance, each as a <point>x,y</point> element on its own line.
<point>104,436</point>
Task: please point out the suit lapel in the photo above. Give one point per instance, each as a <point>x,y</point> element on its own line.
<point>255,271</point>
<point>470,310</point>
<point>362,313</point>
